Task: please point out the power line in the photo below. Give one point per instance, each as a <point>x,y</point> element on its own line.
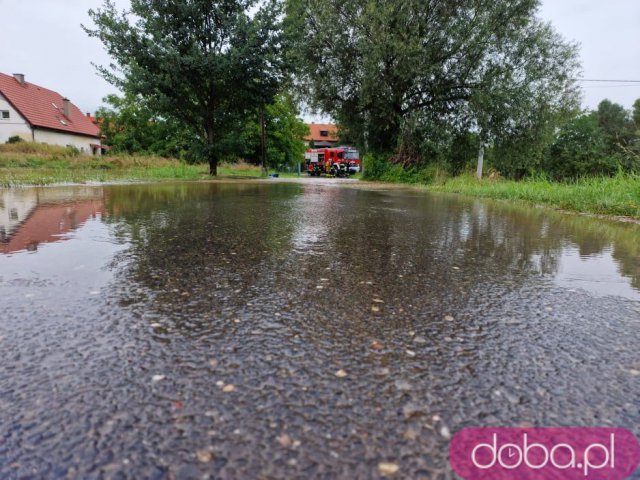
<point>612,86</point>
<point>610,81</point>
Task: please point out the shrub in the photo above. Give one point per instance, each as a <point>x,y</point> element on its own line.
<point>462,153</point>
<point>375,166</point>
<point>398,174</point>
<point>14,139</point>
<point>73,150</point>
<point>433,174</point>
<point>580,149</point>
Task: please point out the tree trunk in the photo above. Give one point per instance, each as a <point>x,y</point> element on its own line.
<point>213,165</point>
<point>212,155</point>
<point>480,161</point>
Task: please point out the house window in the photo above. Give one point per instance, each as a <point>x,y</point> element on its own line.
<point>5,114</point>
<point>324,133</point>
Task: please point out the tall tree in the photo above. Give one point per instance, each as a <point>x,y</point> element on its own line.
<point>206,63</point>
<point>394,72</point>
<point>579,149</point>
<point>617,125</point>
<point>131,127</point>
<point>285,132</point>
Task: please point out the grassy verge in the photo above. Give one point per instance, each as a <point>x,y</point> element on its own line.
<point>619,195</point>
<point>238,170</point>
<point>48,176</point>
<point>614,196</point>
<point>36,164</point>
<point>27,163</point>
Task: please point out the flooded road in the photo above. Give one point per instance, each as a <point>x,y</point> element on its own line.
<point>300,330</point>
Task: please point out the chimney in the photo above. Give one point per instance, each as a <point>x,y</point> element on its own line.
<point>19,78</point>
<point>67,107</point>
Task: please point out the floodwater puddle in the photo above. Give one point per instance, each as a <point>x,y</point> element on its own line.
<point>297,330</point>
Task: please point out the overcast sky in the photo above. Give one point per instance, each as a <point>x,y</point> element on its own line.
<point>43,40</point>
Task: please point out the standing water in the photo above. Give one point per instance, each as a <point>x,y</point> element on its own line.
<point>300,330</point>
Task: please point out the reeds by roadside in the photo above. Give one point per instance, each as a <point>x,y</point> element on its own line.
<point>618,195</point>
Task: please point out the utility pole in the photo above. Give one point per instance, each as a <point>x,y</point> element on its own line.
<point>480,160</point>
<point>263,146</point>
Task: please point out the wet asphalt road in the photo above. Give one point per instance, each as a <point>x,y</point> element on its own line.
<point>256,330</point>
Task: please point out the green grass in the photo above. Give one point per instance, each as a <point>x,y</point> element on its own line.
<point>28,163</point>
<point>619,195</point>
<point>99,172</point>
<point>615,196</point>
<point>238,170</point>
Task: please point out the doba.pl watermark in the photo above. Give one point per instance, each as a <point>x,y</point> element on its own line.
<point>544,453</point>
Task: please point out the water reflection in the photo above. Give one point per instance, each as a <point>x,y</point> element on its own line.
<point>31,217</point>
<point>596,272</point>
<point>399,232</point>
<point>198,251</point>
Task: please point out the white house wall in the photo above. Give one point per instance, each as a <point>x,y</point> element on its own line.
<point>52,137</point>
<point>15,125</point>
<point>15,207</point>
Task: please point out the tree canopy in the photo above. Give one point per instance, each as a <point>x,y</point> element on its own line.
<point>616,123</point>
<point>206,63</point>
<point>284,134</point>
<point>399,74</point>
<point>130,126</point>
<point>417,83</point>
<point>636,113</point>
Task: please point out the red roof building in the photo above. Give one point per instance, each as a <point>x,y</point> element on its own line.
<point>322,135</point>
<point>38,114</point>
<point>50,224</point>
<point>30,217</point>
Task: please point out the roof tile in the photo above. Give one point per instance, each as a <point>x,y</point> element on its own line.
<point>44,108</point>
<point>316,128</point>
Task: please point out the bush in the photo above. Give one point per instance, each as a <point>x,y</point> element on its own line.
<point>375,166</point>
<point>515,158</point>
<point>463,153</point>
<point>580,149</point>
<point>14,139</point>
<point>433,174</point>
<point>398,174</point>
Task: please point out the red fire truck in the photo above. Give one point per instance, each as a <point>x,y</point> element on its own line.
<point>339,161</point>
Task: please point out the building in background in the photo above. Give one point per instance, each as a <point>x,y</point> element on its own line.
<point>37,114</point>
<point>322,135</point>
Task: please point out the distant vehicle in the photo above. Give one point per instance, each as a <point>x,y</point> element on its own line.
<point>338,161</point>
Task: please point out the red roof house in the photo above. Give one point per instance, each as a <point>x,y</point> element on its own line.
<point>30,217</point>
<point>322,135</point>
<point>50,224</point>
<point>38,114</point>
